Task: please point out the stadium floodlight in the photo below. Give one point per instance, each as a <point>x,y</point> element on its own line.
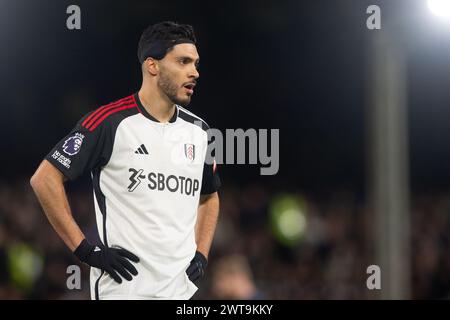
<point>440,8</point>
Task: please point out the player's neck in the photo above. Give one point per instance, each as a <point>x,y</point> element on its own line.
<point>156,105</point>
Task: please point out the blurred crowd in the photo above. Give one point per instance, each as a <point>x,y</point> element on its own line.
<point>247,261</point>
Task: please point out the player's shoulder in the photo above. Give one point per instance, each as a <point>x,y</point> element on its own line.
<point>192,118</point>
<point>110,113</point>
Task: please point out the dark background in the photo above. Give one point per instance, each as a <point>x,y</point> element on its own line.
<point>299,66</point>
<point>293,65</point>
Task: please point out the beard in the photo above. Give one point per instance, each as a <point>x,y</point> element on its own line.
<point>170,89</point>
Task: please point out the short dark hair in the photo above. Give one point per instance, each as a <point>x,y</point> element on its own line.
<point>157,39</point>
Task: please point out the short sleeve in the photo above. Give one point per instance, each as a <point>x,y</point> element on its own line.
<point>211,180</point>
<point>81,150</point>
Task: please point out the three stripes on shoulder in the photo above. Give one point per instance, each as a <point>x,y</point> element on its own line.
<point>97,117</point>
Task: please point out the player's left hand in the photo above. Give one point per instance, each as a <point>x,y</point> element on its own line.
<point>196,269</point>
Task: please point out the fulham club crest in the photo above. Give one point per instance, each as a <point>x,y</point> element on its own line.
<point>189,151</point>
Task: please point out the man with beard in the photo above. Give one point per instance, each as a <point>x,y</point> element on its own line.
<point>154,179</point>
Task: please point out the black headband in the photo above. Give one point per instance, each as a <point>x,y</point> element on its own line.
<point>158,49</point>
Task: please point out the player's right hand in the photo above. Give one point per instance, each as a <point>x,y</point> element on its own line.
<point>112,260</point>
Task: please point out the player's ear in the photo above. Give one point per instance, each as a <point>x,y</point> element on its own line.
<point>151,66</point>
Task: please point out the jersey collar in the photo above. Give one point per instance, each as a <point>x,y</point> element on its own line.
<point>144,112</point>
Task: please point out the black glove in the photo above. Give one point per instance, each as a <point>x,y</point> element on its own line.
<point>111,260</point>
<point>196,269</point>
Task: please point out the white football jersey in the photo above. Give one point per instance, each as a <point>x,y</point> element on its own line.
<point>147,178</point>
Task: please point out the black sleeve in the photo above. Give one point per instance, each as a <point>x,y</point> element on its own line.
<point>82,150</point>
<point>211,180</point>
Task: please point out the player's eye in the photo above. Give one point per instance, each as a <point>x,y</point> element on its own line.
<point>184,60</point>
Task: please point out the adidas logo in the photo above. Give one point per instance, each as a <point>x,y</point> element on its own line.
<point>141,150</point>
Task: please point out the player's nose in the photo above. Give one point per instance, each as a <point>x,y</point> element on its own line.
<point>194,73</point>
